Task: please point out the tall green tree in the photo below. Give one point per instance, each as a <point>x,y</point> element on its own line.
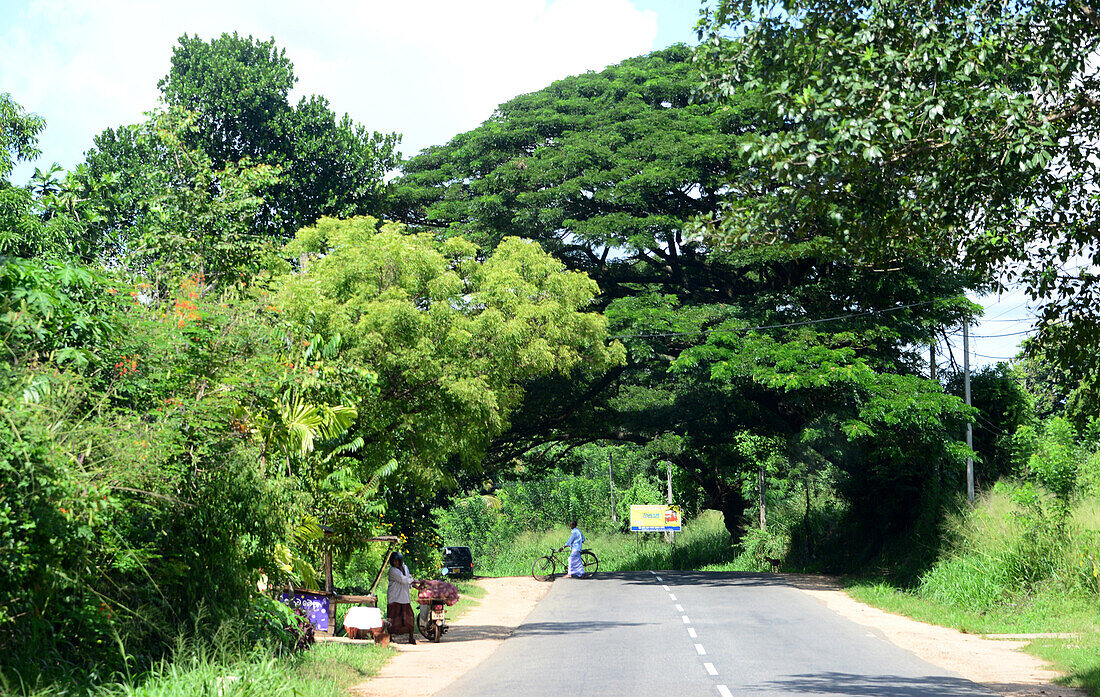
<point>607,170</point>
<point>240,90</point>
<point>18,142</point>
<point>451,338</point>
<point>603,169</point>
<point>49,216</point>
<point>237,90</point>
<point>169,210</point>
<point>18,134</point>
<point>951,128</point>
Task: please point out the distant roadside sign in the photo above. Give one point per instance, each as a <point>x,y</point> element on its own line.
<point>659,518</point>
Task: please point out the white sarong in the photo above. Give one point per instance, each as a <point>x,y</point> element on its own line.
<point>576,568</point>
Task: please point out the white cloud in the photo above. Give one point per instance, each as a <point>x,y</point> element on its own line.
<point>428,69</point>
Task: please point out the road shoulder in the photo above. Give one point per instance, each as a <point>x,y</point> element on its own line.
<point>998,664</point>
<point>427,668</point>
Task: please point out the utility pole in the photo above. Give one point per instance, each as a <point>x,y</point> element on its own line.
<point>932,362</point>
<point>611,481</point>
<point>969,426</point>
<point>671,535</point>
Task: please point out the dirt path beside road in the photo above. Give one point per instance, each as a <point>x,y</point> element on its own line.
<point>426,668</point>
<point>998,664</point>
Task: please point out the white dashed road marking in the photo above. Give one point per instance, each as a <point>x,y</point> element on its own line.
<point>672,596</point>
<point>679,608</point>
<point>685,619</point>
<point>666,588</point>
<point>724,691</point>
<point>700,650</point>
<point>659,578</point>
<point>691,633</point>
<point>710,669</point>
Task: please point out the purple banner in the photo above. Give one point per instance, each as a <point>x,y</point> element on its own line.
<point>314,605</point>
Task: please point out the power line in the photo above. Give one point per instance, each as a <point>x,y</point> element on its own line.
<point>1012,309</point>
<point>996,358</point>
<point>998,336</point>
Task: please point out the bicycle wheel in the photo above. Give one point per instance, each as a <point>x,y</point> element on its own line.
<point>543,569</point>
<point>590,561</point>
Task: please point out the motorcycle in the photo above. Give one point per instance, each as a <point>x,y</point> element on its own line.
<point>432,619</point>
<point>434,597</point>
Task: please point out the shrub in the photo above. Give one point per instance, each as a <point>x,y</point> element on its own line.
<point>758,546</point>
<point>274,624</point>
<point>1013,543</point>
<point>1049,453</point>
<point>643,491</point>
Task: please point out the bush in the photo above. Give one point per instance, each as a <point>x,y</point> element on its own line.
<point>274,624</point>
<point>473,522</point>
<point>131,505</point>
<point>1015,542</point>
<point>1049,453</point>
<point>758,546</point>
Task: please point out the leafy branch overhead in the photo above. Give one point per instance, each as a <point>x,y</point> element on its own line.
<point>946,130</point>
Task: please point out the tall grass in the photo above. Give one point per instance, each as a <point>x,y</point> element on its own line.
<point>1015,565</point>
<point>1001,550</point>
<point>704,541</point>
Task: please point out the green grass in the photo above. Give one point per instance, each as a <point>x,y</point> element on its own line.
<point>222,668</point>
<point>341,665</point>
<point>1007,572</point>
<point>703,542</point>
<point>1045,612</point>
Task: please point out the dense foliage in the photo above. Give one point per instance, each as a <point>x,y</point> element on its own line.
<point>236,92</point>
<point>179,423</point>
<point>220,359</point>
<point>790,344</point>
<point>947,128</point>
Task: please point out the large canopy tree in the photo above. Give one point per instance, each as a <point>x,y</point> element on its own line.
<point>963,128</point>
<point>608,170</point>
<point>603,169</point>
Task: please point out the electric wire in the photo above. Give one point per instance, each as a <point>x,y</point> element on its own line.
<point>998,336</point>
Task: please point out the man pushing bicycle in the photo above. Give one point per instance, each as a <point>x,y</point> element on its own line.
<point>575,543</point>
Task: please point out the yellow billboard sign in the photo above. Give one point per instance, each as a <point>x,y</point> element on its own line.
<point>659,518</point>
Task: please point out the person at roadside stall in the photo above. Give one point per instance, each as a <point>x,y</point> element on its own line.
<point>576,541</point>
<point>398,603</point>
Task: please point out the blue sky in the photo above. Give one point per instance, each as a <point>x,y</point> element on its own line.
<point>428,70</point>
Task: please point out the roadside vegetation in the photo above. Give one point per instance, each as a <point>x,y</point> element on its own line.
<point>1016,563</point>
<point>221,358</point>
<point>221,666</point>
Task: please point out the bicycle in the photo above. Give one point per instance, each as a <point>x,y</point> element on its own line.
<point>545,568</point>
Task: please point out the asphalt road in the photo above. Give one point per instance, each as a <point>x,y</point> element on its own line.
<point>673,634</point>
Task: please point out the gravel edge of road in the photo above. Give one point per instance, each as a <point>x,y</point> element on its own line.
<point>427,668</point>
<point>998,664</point>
